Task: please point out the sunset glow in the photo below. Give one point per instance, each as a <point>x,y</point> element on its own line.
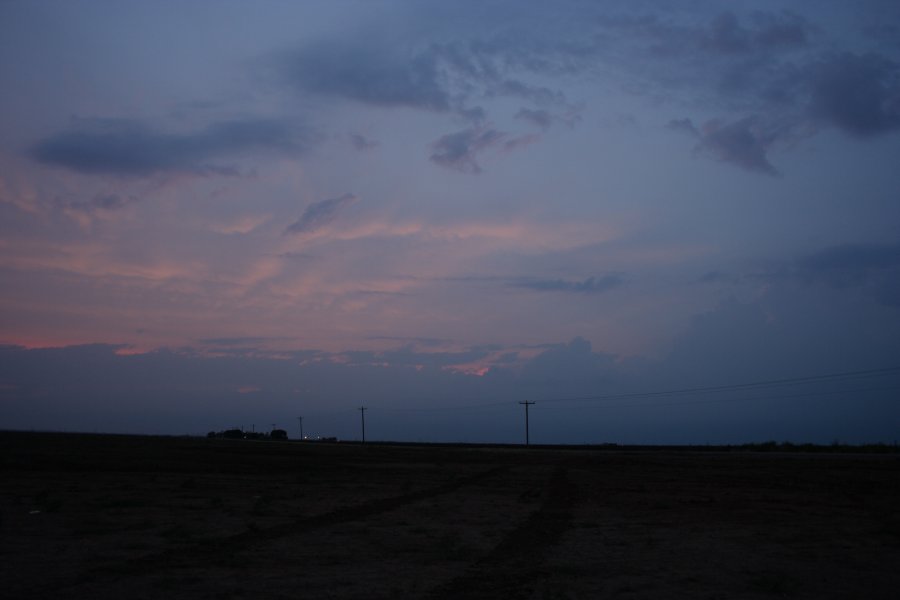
<point>412,204</point>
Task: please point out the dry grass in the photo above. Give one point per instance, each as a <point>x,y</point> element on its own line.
<point>116,516</point>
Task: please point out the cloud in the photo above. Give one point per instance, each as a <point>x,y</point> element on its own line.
<point>564,369</point>
<point>319,214</point>
<point>591,285</point>
<point>744,143</point>
<point>361,143</point>
<point>541,118</point>
<point>521,142</point>
<point>784,29</point>
<point>716,276</point>
<point>859,94</point>
<point>371,72</point>
<point>411,341</point>
<point>239,341</point>
<point>684,126</point>
<point>873,266</point>
<point>132,149</point>
<point>459,150</point>
<point>727,35</point>
<point>435,68</point>
<point>107,202</point>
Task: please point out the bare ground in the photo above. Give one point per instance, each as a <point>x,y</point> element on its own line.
<point>86,516</point>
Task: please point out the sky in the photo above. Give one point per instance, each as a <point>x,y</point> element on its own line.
<point>661,222</point>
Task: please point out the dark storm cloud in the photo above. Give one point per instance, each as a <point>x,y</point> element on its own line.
<point>459,150</point>
<point>371,73</point>
<point>872,266</point>
<point>725,34</point>
<point>563,369</point>
<point>856,258</point>
<point>129,148</point>
<point>744,143</point>
<point>434,74</point>
<point>871,269</point>
<point>757,62</point>
<point>320,214</point>
<point>858,94</point>
<point>591,285</point>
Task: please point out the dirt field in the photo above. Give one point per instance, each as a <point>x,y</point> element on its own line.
<point>141,517</point>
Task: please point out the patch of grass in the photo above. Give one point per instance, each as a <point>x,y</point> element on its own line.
<point>124,503</point>
<point>46,501</point>
<point>175,533</point>
<point>771,583</point>
<point>450,547</point>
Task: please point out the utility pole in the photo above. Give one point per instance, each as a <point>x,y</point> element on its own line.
<point>526,404</point>
<point>301,427</point>
<point>362,415</point>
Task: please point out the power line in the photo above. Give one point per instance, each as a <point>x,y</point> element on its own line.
<point>725,400</point>
<point>445,408</point>
<point>754,385</point>
<point>730,387</point>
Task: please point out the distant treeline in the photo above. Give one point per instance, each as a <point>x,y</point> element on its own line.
<point>240,434</point>
<point>275,434</point>
<point>836,446</point>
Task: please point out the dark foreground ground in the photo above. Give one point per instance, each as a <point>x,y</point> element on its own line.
<point>141,517</point>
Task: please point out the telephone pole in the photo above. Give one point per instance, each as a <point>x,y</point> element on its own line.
<point>362,415</point>
<point>301,427</point>
<point>526,404</point>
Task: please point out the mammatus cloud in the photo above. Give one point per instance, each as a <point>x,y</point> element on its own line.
<point>133,149</point>
<point>319,214</point>
<point>591,285</point>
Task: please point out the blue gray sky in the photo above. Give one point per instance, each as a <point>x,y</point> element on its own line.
<point>217,214</point>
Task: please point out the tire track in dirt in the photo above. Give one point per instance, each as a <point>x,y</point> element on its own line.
<point>219,548</point>
<point>515,565</point>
